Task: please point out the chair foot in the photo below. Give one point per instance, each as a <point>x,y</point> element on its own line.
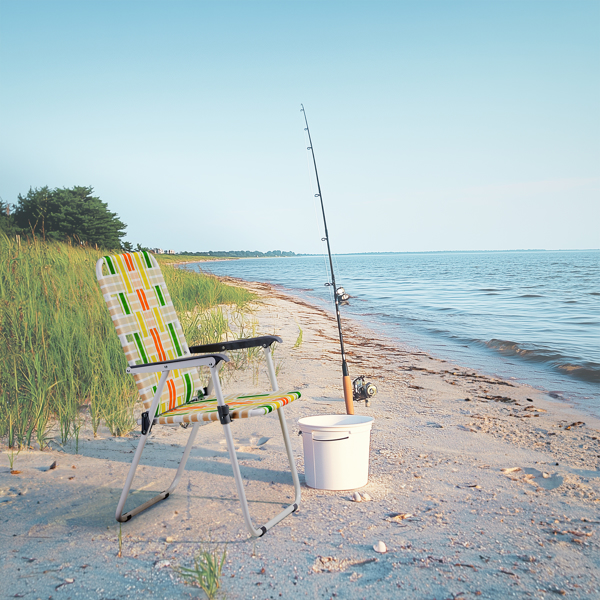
<point>292,508</point>
<point>122,518</point>
<point>138,509</point>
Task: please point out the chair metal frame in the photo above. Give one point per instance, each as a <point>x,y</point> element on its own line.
<point>213,362</point>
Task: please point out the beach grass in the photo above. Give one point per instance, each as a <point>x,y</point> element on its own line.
<point>206,572</point>
<point>299,338</point>
<point>60,355</point>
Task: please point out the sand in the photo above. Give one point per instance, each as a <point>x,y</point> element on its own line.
<point>442,436</point>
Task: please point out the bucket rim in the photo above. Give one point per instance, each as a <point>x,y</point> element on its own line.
<point>346,421</point>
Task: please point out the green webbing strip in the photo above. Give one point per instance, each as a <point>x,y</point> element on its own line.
<point>147,258</point>
<point>124,303</point>
<point>188,387</point>
<point>159,295</point>
<point>174,339</point>
<point>111,267</point>
<point>140,347</point>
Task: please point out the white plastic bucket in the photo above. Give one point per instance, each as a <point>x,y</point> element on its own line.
<point>336,451</point>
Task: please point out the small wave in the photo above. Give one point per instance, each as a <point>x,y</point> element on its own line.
<point>509,347</point>
<point>531,296</point>
<point>583,373</point>
<point>587,371</point>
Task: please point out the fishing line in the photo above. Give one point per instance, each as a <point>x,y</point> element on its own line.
<point>318,225</point>
<point>316,215</point>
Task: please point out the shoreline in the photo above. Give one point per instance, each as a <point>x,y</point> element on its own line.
<point>542,335</point>
<point>498,485</point>
<point>350,324</point>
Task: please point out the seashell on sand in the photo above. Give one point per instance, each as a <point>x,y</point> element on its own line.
<point>356,497</point>
<point>366,497</point>
<point>380,547</point>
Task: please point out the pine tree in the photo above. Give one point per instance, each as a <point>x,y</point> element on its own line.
<point>64,213</point>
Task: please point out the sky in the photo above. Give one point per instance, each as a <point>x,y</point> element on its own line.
<point>452,125</point>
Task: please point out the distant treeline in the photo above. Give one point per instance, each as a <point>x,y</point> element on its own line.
<point>61,214</point>
<point>77,215</point>
<point>240,253</point>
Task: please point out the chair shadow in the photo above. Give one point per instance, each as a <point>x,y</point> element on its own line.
<point>161,455</point>
<point>90,512</point>
<point>97,512</point>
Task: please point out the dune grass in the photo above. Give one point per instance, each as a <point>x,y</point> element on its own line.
<point>299,338</point>
<point>59,352</point>
<point>207,570</point>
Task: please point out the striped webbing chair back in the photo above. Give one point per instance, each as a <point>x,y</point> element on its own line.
<point>147,325</point>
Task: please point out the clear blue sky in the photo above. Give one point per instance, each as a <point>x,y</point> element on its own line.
<point>437,125</point>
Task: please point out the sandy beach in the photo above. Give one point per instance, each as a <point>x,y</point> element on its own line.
<point>480,487</point>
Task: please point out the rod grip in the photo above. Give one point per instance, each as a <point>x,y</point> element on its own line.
<point>348,395</point>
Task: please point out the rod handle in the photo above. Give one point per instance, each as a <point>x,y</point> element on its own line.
<point>348,394</point>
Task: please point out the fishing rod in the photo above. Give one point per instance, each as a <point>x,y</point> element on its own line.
<point>347,384</point>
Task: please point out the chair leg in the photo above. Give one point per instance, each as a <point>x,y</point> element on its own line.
<point>122,518</point>
<point>290,454</point>
<point>184,458</point>
<point>210,387</point>
<point>239,484</point>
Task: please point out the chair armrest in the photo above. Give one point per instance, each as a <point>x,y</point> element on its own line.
<point>265,341</point>
<point>209,360</point>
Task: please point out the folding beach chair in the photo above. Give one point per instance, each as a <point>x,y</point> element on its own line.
<point>166,372</point>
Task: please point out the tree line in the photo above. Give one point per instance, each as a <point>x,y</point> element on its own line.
<point>60,214</point>
<point>240,253</point>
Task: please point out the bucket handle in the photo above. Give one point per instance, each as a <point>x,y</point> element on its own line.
<point>316,439</point>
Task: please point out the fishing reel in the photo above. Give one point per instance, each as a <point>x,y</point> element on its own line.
<point>342,296</point>
<point>363,390</point>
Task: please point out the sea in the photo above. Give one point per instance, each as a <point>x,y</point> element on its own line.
<point>533,316</point>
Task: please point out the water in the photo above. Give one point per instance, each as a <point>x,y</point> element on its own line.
<point>534,316</point>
